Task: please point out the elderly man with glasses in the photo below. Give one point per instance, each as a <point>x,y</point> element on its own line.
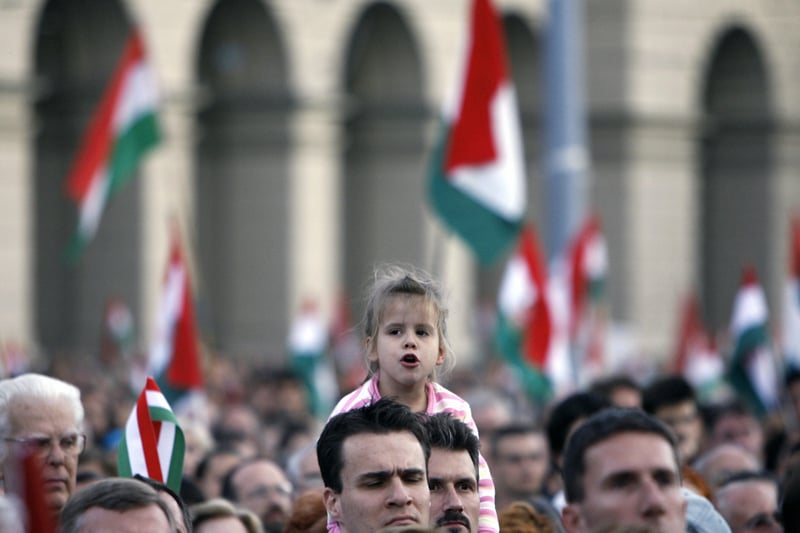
<point>42,416</point>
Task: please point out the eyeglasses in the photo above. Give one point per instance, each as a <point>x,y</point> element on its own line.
<point>262,491</point>
<point>763,521</point>
<point>70,443</point>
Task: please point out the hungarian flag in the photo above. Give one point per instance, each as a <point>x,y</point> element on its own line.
<point>791,302</point>
<point>588,270</point>
<point>524,319</point>
<point>153,444</point>
<point>307,343</point>
<point>752,371</point>
<point>477,176</point>
<point>696,357</point>
<point>175,354</point>
<point>121,131</point>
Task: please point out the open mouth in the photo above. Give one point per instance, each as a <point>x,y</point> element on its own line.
<point>410,359</point>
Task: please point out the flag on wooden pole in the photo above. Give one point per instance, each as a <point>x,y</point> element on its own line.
<point>153,444</point>
<point>123,128</point>
<point>477,175</point>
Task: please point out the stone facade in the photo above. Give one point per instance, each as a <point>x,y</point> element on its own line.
<point>296,137</point>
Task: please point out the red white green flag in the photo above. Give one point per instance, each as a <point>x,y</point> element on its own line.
<point>175,355</point>
<point>524,320</point>
<point>153,444</point>
<point>752,370</point>
<point>477,176</point>
<point>790,323</point>
<point>122,130</point>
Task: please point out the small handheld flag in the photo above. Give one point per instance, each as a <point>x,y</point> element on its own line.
<point>153,444</point>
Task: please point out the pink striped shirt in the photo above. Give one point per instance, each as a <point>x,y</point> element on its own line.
<point>440,400</point>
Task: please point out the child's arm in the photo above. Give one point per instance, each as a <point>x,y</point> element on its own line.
<point>488,518</point>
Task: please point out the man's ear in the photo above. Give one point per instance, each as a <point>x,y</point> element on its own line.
<point>572,519</point>
<point>332,504</point>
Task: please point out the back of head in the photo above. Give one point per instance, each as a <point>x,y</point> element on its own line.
<point>522,517</point>
<point>598,428</point>
<point>790,505</point>
<point>566,413</point>
<point>381,417</point>
<point>113,494</point>
<point>37,387</point>
<point>308,514</point>
<point>221,508</point>
<point>667,391</point>
<point>447,432</point>
<point>396,280</point>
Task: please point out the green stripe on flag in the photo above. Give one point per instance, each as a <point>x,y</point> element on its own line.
<point>488,234</point>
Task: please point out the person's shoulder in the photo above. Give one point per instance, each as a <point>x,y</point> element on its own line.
<point>358,397</point>
<point>445,400</point>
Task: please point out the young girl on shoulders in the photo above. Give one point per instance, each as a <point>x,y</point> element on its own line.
<point>405,329</point>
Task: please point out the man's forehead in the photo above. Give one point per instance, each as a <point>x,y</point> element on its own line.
<point>397,448</point>
<point>450,464</point>
<point>631,450</point>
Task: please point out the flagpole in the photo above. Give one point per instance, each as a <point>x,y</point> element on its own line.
<point>567,153</point>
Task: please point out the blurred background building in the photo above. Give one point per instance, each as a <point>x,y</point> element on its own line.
<point>296,138</point>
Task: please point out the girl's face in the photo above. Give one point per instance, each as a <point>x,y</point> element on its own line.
<point>406,346</point>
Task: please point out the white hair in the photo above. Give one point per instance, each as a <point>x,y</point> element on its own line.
<point>40,387</point>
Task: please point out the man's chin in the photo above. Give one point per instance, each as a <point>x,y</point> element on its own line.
<point>452,528</point>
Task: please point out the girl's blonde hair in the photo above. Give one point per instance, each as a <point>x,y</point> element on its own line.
<point>402,280</point>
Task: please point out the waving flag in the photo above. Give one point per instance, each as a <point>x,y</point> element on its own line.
<point>752,368</point>
<point>588,270</point>
<point>153,445</point>
<point>477,178</point>
<point>121,131</point>
<point>696,356</point>
<point>791,303</point>
<point>307,344</point>
<point>175,355</point>
<point>525,322</point>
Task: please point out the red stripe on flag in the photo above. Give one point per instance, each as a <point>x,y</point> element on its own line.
<point>148,434</point>
<point>184,370</point>
<point>472,141</point>
<point>98,139</point>
<point>539,324</point>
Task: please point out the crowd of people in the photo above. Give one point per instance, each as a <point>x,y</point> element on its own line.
<point>402,452</point>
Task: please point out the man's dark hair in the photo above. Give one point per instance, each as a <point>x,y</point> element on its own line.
<point>667,391</point>
<point>600,427</point>
<point>514,429</point>
<point>450,433</point>
<point>381,417</point>
<point>606,386</point>
<point>568,411</point>
<point>732,407</point>
<point>208,458</point>
<point>161,487</point>
<point>114,494</point>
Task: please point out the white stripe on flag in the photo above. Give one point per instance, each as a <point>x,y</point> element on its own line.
<point>171,307</point>
<point>138,96</point>
<point>166,443</point>
<point>133,439</point>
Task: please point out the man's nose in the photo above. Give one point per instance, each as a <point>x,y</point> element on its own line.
<point>652,498</point>
<point>452,501</point>
<point>399,494</point>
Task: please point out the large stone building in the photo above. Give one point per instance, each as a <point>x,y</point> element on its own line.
<point>296,139</point>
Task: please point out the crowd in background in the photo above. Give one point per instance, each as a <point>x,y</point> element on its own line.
<point>257,417</point>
